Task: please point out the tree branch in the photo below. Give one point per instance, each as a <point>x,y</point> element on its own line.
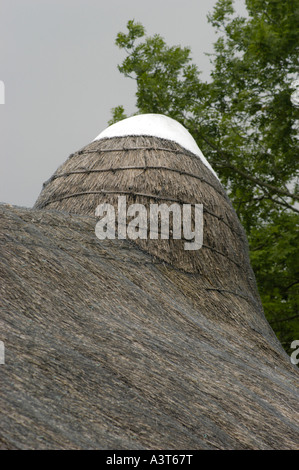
<point>262,183</point>
<point>282,203</point>
<point>249,177</point>
<point>284,319</point>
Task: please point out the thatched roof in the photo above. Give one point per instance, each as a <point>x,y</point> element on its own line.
<point>116,344</point>
<point>148,170</point>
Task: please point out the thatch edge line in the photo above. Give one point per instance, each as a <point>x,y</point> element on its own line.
<point>185,150</point>
<point>144,168</point>
<point>132,193</point>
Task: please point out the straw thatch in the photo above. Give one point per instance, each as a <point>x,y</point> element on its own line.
<point>117,344</point>
<point>152,170</point>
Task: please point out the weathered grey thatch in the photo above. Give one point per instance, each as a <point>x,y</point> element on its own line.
<point>121,345</point>
<point>146,170</point>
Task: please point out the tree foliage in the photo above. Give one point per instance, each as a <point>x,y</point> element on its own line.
<point>245,123</point>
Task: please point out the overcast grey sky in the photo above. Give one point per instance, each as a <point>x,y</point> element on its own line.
<point>58,62</point>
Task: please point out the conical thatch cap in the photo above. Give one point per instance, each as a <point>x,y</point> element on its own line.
<point>152,159</point>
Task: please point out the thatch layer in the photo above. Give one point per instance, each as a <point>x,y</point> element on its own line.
<point>109,348</point>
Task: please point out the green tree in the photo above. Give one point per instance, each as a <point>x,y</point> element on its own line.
<point>247,126</point>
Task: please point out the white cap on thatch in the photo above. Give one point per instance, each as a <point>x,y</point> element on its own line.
<point>156,125</point>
